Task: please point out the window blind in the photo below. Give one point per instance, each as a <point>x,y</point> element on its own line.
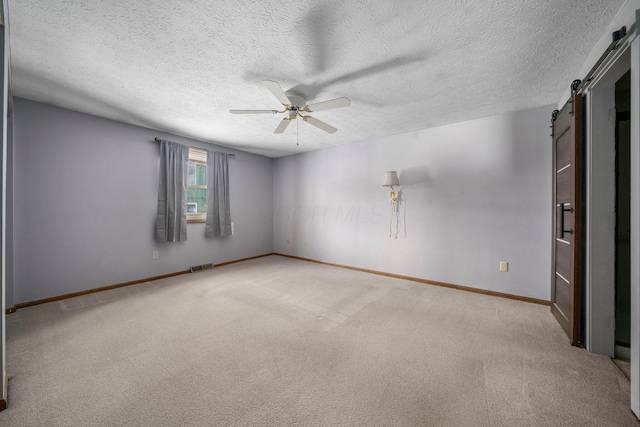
<point>198,155</point>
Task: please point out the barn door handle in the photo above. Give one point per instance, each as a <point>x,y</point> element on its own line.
<point>560,211</point>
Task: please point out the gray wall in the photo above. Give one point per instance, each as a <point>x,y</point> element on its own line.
<point>472,194</point>
<point>85,205</point>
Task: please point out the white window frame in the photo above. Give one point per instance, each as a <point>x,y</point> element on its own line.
<point>199,156</point>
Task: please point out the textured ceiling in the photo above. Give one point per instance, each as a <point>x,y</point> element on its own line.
<point>180,66</point>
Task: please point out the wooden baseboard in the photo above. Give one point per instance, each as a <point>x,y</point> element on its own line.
<point>241,260</point>
<point>428,282</point>
<point>119,285</point>
<point>94,290</point>
<point>365,270</point>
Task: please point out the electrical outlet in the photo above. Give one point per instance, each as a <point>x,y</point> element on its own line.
<point>504,266</point>
<point>154,255</point>
<point>288,240</point>
<point>304,242</point>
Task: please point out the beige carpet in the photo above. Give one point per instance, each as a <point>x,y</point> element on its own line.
<point>281,342</point>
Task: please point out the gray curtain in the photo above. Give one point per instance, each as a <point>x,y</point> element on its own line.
<point>171,223</point>
<point>218,211</point>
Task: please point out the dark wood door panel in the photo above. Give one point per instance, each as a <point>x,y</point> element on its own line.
<point>563,152</point>
<point>564,299</point>
<point>564,186</point>
<point>560,316</point>
<point>564,266</point>
<point>567,218</point>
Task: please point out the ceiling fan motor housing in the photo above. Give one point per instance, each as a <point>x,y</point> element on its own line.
<point>297,100</point>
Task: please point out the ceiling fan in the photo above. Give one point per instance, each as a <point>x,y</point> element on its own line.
<point>295,104</point>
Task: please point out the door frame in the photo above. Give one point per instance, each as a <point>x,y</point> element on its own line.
<point>600,207</point>
<point>4,104</point>
<point>635,223</point>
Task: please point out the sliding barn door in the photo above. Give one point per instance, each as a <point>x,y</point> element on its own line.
<point>567,218</point>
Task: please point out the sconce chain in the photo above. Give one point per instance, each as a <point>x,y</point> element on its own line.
<point>394,209</point>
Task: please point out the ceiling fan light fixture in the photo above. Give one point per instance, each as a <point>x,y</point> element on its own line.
<point>294,104</point>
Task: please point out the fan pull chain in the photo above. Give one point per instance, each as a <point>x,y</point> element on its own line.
<point>297,132</point>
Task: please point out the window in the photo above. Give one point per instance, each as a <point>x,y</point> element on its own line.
<point>197,185</point>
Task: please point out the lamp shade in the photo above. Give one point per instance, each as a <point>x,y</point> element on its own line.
<point>390,179</point>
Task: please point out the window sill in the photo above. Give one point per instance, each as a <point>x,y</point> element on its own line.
<point>196,218</point>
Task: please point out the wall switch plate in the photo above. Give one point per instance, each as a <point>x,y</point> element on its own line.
<point>154,255</point>
<point>288,240</point>
<point>504,266</point>
<point>304,242</point>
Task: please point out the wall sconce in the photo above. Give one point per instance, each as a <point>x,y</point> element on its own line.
<point>390,180</point>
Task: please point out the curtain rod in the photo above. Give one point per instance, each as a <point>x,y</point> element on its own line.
<point>232,155</point>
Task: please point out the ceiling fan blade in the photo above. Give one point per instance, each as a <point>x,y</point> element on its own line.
<point>283,125</point>
<point>321,125</point>
<point>330,104</point>
<point>277,91</point>
<point>253,111</point>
